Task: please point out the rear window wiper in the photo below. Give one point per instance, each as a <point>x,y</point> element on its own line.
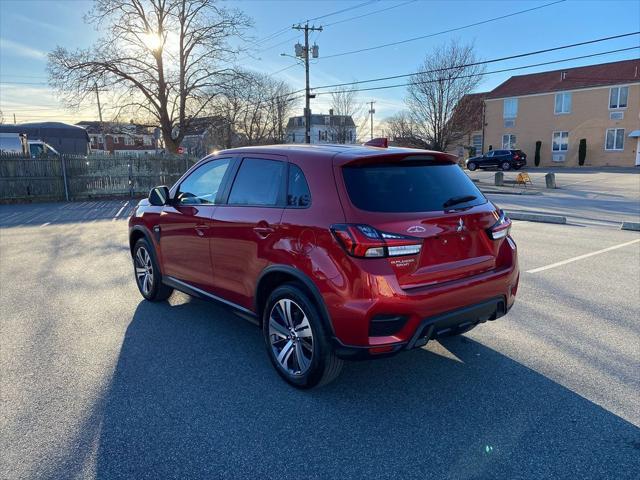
<point>456,200</point>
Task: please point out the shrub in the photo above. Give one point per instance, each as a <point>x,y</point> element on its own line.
<point>536,159</point>
<point>582,151</point>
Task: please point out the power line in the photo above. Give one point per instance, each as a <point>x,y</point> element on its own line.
<point>384,87</point>
<point>11,75</point>
<point>363,4</point>
<point>286,29</point>
<point>283,69</point>
<point>280,32</point>
<point>23,83</point>
<point>483,62</point>
<point>370,13</point>
<point>459,66</point>
<point>400,42</point>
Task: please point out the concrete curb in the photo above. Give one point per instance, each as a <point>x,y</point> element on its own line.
<point>537,217</point>
<point>633,226</point>
<point>513,192</point>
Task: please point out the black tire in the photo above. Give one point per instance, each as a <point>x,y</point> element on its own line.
<point>505,166</point>
<point>323,366</point>
<point>154,290</point>
<point>471,166</point>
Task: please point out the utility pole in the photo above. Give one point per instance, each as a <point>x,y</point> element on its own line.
<point>104,141</point>
<point>14,119</point>
<point>304,53</point>
<point>371,112</point>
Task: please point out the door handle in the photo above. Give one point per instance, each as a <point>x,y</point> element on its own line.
<point>263,232</point>
<point>200,229</point>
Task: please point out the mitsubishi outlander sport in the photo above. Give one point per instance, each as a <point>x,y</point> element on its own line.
<point>337,252</point>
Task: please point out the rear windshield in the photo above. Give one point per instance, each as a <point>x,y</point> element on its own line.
<point>415,187</point>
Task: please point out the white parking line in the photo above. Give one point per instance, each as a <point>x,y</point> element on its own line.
<point>119,212</point>
<point>44,224</point>
<point>580,257</point>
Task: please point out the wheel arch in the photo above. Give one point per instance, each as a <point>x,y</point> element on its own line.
<point>276,275</point>
<point>136,233</point>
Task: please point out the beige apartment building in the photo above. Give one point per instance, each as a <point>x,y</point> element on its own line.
<point>600,103</point>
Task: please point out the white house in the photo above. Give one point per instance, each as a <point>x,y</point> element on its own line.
<point>324,129</point>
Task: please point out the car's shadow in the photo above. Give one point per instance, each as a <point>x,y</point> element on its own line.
<point>194,396</point>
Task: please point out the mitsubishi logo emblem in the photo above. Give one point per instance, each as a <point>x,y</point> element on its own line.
<point>460,227</point>
<point>416,229</point>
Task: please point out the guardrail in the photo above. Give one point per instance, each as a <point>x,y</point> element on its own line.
<point>78,177</point>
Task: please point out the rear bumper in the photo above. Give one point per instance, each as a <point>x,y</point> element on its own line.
<point>431,328</point>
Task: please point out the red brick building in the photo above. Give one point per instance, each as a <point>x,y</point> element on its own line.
<point>121,138</point>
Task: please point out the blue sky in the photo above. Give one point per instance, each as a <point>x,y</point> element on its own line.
<point>31,28</point>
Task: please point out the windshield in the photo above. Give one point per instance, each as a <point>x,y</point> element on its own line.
<point>414,187</point>
<point>36,149</point>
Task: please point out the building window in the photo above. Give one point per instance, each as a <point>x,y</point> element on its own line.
<point>476,143</point>
<point>510,108</point>
<point>129,140</point>
<point>614,139</point>
<point>116,140</point>
<point>508,141</point>
<point>618,97</point>
<point>563,103</point>
<point>560,142</point>
<point>327,120</point>
<point>147,140</point>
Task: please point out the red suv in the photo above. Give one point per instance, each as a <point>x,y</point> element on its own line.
<point>338,252</point>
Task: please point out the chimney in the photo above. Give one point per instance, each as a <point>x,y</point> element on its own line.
<point>331,112</point>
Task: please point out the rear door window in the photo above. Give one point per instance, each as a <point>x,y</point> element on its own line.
<point>410,187</point>
<point>259,182</point>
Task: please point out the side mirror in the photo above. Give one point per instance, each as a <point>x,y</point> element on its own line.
<point>159,196</point>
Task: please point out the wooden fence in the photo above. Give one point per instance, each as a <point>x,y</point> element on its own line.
<point>74,177</point>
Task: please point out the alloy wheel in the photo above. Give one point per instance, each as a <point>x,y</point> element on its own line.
<point>290,336</point>
<point>144,270</point>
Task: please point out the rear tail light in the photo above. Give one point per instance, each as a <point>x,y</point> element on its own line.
<point>364,241</point>
<point>501,228</point>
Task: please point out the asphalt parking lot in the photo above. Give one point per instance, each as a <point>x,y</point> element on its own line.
<point>97,383</point>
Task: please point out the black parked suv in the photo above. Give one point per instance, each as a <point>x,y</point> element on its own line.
<point>503,159</point>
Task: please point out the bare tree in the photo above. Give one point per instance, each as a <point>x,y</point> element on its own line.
<point>255,109</point>
<point>282,105</point>
<point>344,103</point>
<point>402,131</point>
<point>444,78</point>
<point>169,58</point>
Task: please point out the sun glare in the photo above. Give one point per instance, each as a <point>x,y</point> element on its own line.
<point>152,40</point>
